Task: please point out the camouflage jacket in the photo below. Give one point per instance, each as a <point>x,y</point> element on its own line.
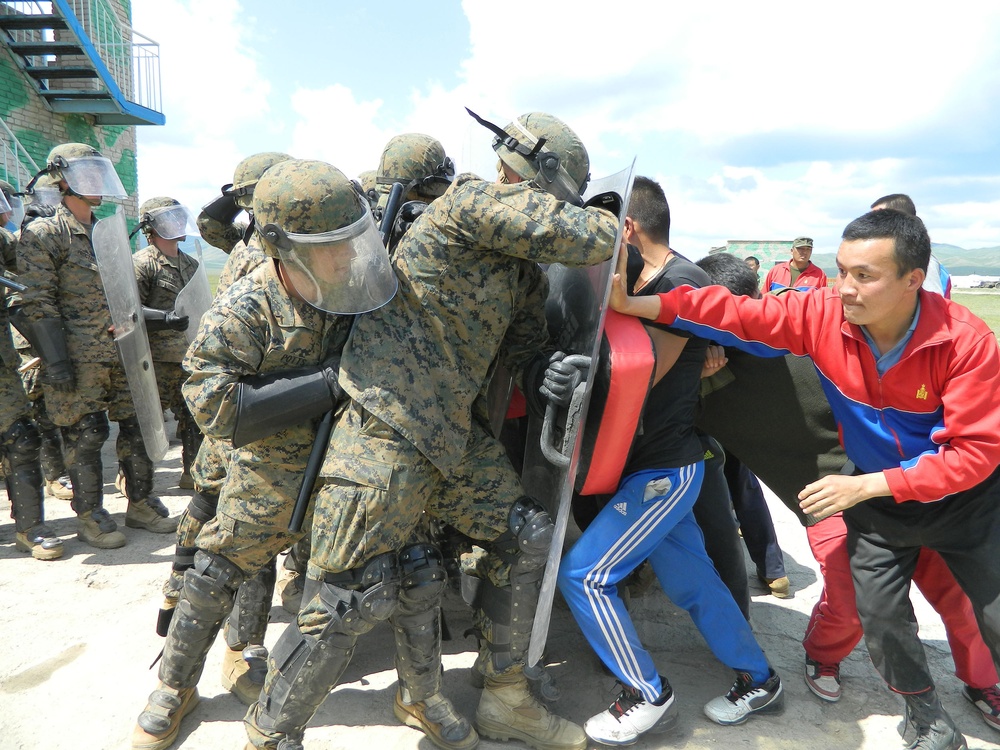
<point>57,264</point>
<point>471,295</point>
<point>242,260</point>
<point>218,234</point>
<point>257,328</point>
<point>160,279</point>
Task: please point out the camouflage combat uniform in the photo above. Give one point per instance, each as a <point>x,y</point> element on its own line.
<point>159,279</point>
<point>244,258</point>
<point>223,235</point>
<point>56,261</point>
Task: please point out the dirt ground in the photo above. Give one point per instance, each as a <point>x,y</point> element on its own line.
<point>77,638</point>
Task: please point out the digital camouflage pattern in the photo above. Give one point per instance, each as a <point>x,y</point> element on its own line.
<point>160,279</point>
<point>559,139</point>
<point>256,328</point>
<point>243,259</point>
<point>471,293</point>
<point>249,171</point>
<point>14,403</point>
<point>57,264</point>
<point>220,234</point>
<point>99,387</point>
<point>415,158</point>
<point>208,471</point>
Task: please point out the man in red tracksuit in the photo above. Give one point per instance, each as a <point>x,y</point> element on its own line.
<point>911,379</point>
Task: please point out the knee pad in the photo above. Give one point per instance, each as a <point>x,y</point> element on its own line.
<point>248,620</point>
<point>92,431</point>
<point>423,577</point>
<point>21,442</point>
<point>212,582</point>
<point>525,545</point>
<point>361,598</point>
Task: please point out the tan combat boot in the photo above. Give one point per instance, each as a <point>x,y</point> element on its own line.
<point>97,529</point>
<point>437,718</point>
<point>507,710</point>
<point>160,722</point>
<point>41,542</point>
<point>60,489</point>
<point>290,589</point>
<point>239,679</point>
<point>150,514</point>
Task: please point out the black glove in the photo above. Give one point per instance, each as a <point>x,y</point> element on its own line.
<point>331,370</point>
<point>164,320</point>
<point>59,375</point>
<point>561,379</point>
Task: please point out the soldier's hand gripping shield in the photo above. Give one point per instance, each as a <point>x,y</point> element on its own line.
<point>194,299</point>
<point>111,248</point>
<point>576,310</point>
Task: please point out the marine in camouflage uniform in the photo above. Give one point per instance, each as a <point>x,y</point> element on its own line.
<point>55,477</point>
<point>161,271</point>
<point>260,349</point>
<point>415,439</point>
<point>19,438</point>
<point>65,315</point>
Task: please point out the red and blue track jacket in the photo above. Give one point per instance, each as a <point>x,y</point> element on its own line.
<point>931,424</point>
<point>780,277</point>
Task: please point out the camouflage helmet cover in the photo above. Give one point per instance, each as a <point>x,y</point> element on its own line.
<point>7,189</point>
<point>311,217</point>
<point>559,139</point>
<point>166,217</point>
<point>419,162</point>
<point>248,172</point>
<point>84,169</point>
<point>300,196</point>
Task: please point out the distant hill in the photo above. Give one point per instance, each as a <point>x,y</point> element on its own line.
<point>984,261</point>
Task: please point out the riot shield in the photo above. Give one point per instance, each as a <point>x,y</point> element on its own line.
<point>114,259</point>
<point>575,311</point>
<point>195,298</point>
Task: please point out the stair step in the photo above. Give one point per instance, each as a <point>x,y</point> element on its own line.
<point>34,21</point>
<point>73,94</point>
<point>53,71</point>
<point>45,48</point>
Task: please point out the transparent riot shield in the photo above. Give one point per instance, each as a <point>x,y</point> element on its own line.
<point>195,298</point>
<point>114,259</point>
<point>575,311</point>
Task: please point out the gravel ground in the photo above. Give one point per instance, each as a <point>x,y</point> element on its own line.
<point>78,638</point>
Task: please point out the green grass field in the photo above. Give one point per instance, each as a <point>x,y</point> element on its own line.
<point>984,304</point>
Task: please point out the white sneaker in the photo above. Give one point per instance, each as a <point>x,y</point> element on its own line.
<point>631,715</point>
<point>744,698</point>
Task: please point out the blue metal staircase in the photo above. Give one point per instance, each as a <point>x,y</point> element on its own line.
<point>83,59</point>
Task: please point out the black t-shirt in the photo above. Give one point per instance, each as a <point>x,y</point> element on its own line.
<point>667,439</point>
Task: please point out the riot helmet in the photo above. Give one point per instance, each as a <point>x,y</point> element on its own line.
<point>166,218</point>
<point>6,198</point>
<point>316,222</point>
<point>419,162</point>
<point>84,170</point>
<point>544,151</point>
<point>248,172</point>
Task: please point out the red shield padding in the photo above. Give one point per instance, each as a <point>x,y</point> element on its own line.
<point>621,384</point>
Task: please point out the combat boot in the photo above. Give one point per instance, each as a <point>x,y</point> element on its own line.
<point>507,710</point>
<point>60,488</point>
<point>150,514</point>
<point>290,589</point>
<point>98,529</point>
<point>160,722</point>
<point>437,718</point>
<point>243,672</point>
<point>927,726</point>
<point>41,542</point>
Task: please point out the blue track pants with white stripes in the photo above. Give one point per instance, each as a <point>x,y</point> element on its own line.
<point>650,517</point>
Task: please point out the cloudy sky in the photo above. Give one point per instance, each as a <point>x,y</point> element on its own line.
<point>762,121</point>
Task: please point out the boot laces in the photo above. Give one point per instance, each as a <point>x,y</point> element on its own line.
<point>627,699</point>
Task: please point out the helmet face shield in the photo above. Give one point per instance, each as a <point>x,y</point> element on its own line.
<point>5,207</point>
<point>91,175</point>
<point>17,209</point>
<point>346,271</point>
<point>171,222</point>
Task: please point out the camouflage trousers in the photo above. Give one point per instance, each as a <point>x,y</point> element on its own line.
<point>210,466</point>
<point>376,486</point>
<point>169,379</point>
<point>14,403</point>
<point>99,387</point>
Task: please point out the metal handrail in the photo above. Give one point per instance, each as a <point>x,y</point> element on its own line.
<point>14,152</point>
<point>131,58</point>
